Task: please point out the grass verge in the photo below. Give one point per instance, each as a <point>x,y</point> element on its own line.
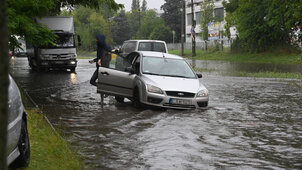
<point>276,57</point>
<point>48,149</point>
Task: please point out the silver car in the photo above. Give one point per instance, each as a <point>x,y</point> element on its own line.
<point>18,149</point>
<point>155,79</point>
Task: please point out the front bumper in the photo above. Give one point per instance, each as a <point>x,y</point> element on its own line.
<point>58,63</point>
<point>172,102</point>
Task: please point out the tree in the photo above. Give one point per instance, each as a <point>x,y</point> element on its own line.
<point>3,83</point>
<point>161,32</point>
<point>21,14</point>
<point>229,18</point>
<point>265,24</point>
<point>120,28</point>
<point>172,16</point>
<point>207,9</point>
<point>150,20</point>
<point>144,6</point>
<point>135,5</point>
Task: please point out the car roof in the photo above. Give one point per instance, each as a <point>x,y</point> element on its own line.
<point>159,54</point>
<point>145,41</point>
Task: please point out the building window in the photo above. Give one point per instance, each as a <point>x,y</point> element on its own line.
<point>189,19</point>
<point>198,17</point>
<point>219,14</point>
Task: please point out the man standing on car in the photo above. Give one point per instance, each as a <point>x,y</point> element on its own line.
<point>100,60</point>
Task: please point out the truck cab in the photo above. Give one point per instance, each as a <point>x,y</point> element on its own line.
<point>63,53</point>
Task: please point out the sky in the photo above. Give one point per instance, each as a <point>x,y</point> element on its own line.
<point>151,4</point>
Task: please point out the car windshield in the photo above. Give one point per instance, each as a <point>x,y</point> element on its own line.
<point>167,67</point>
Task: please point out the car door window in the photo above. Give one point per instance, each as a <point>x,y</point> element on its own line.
<point>123,62</point>
<point>128,47</point>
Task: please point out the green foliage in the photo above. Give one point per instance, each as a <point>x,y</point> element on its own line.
<point>265,24</point>
<point>135,5</point>
<point>144,6</point>
<point>88,23</point>
<point>133,20</point>
<point>20,21</point>
<point>150,21</point>
<point>161,32</point>
<point>172,16</point>
<point>120,28</point>
<point>21,14</point>
<point>48,149</point>
<point>207,9</point>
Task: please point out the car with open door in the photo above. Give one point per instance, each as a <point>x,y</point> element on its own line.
<point>155,79</point>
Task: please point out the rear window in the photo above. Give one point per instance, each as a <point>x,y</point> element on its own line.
<point>128,47</point>
<point>152,46</point>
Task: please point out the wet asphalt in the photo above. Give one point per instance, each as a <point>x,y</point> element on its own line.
<point>251,123</point>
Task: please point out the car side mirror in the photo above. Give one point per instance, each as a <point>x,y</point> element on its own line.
<point>130,70</point>
<point>116,51</point>
<point>199,75</point>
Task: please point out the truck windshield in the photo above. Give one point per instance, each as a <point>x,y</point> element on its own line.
<point>64,40</point>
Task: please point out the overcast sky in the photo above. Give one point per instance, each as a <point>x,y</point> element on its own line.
<point>151,4</point>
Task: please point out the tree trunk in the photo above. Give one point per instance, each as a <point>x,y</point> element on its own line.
<point>3,83</point>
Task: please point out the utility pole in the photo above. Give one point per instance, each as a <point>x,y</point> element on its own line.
<point>182,10</point>
<point>139,24</point>
<point>193,30</point>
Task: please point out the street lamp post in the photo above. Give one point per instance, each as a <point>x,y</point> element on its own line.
<point>182,10</point>
<point>193,30</point>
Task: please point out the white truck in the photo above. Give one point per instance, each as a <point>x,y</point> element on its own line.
<point>63,53</point>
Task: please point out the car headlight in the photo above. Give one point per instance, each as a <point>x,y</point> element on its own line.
<point>154,89</point>
<point>203,93</point>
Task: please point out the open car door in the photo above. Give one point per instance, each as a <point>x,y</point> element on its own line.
<point>116,81</point>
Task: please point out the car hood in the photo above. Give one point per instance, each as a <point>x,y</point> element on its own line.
<point>174,83</point>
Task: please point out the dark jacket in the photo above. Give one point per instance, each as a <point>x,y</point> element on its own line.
<point>102,48</point>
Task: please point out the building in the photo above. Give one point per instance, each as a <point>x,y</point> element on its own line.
<point>215,28</point>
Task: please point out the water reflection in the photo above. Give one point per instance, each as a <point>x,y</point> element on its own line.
<point>73,78</point>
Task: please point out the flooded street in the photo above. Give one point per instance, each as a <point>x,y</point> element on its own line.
<point>251,123</point>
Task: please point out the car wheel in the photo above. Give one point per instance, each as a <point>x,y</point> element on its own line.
<point>119,99</point>
<point>24,148</point>
<point>136,100</point>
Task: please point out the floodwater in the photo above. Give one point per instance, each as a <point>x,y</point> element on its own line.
<point>251,123</point>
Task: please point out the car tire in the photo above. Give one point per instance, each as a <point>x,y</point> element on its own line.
<point>24,148</point>
<point>119,99</point>
<point>136,100</point>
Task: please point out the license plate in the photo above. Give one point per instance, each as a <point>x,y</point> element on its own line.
<point>59,62</point>
<point>180,101</point>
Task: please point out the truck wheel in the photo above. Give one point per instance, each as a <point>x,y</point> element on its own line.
<point>72,69</point>
<point>24,148</point>
<point>119,99</point>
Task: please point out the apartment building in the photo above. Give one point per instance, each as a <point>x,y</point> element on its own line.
<point>215,28</point>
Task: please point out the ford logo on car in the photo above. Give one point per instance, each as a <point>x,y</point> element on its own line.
<point>180,94</point>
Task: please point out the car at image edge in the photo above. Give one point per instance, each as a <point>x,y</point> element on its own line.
<point>155,79</point>
<point>18,148</point>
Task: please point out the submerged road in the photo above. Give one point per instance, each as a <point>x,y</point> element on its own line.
<point>251,123</point>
